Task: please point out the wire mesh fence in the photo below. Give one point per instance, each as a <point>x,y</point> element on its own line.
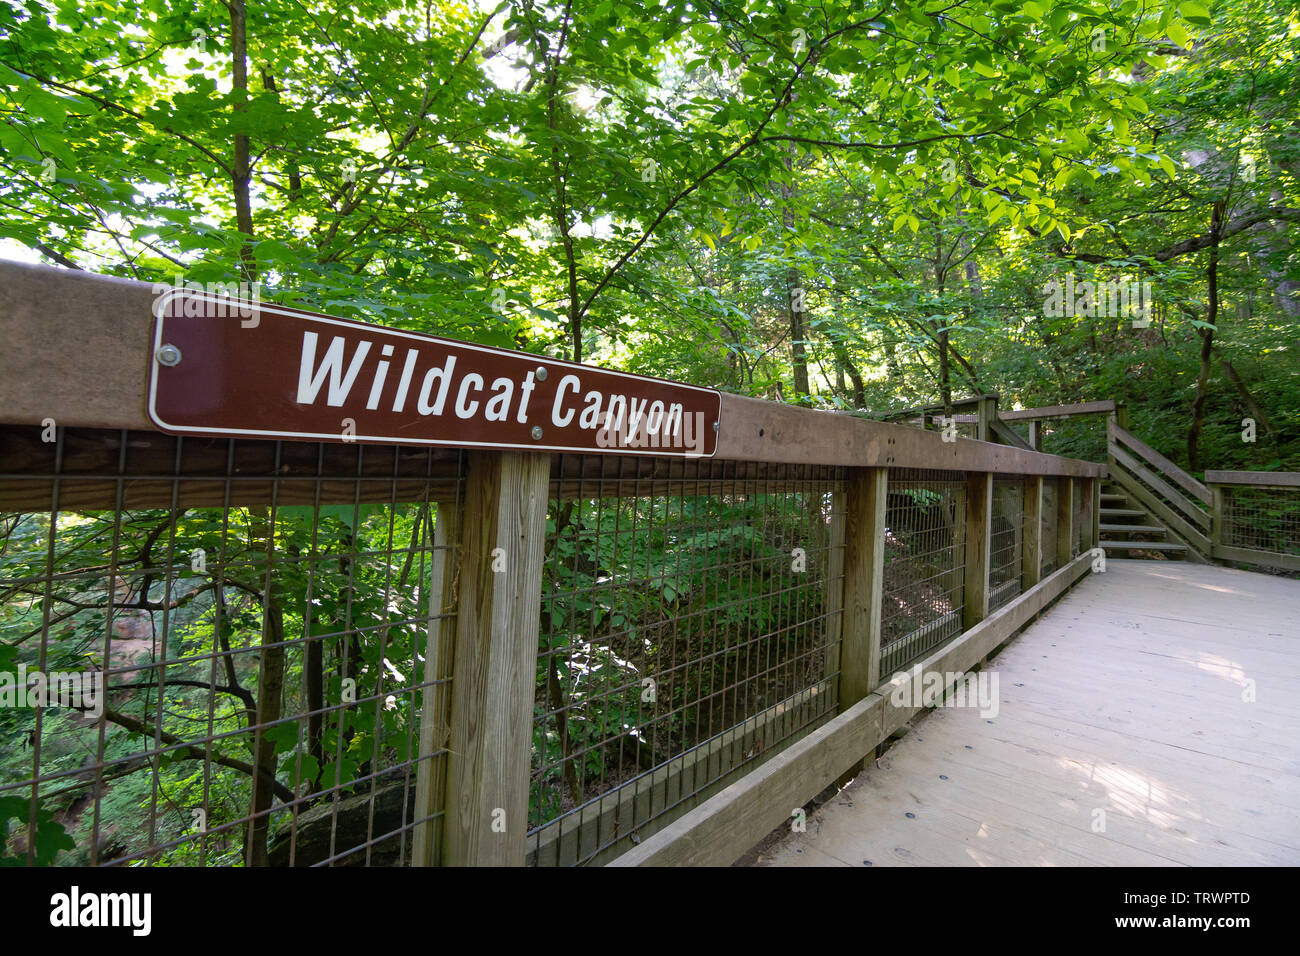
<point>925,540</point>
<point>688,626</point>
<point>226,651</point>
<point>1261,519</point>
<point>229,652</point>
<point>1006,540</point>
<point>1048,525</point>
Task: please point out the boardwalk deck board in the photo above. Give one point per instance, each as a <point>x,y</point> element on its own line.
<point>1125,697</point>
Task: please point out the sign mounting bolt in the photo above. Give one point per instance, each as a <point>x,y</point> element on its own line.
<point>168,355</point>
<point>541,377</point>
<point>717,426</point>
<point>536,432</point>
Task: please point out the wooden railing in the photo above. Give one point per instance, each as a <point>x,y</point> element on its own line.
<point>1169,493</point>
<point>857,492</point>
<point>1256,517</point>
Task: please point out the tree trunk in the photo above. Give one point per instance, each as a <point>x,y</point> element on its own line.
<point>1207,341</point>
<point>241,173</point>
<point>1253,406</point>
<point>270,686</point>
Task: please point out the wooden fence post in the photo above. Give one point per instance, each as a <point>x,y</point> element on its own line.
<point>440,642</point>
<point>987,410</point>
<point>1064,521</point>
<point>1096,513</point>
<point>1035,435</point>
<point>1085,506</point>
<point>979,524</point>
<point>835,585</point>
<point>1218,501</point>
<point>498,594</point>
<point>864,576</point>
<point>1031,555</point>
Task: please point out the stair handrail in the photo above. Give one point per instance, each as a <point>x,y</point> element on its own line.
<point>1172,496</point>
<point>1114,432</point>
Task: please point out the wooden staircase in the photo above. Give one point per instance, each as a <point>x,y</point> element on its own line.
<point>1130,531</point>
<point>1151,508</point>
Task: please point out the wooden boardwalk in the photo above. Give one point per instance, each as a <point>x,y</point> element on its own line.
<point>1121,738</point>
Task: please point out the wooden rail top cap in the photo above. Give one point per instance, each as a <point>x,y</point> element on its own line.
<point>225,366</point>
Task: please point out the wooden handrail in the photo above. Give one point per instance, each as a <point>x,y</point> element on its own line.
<point>1152,457</point>
<point>1059,411</point>
<point>53,319</point>
<point>1265,479</point>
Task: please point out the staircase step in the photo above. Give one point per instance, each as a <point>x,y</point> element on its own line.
<point>1122,513</point>
<point>1170,546</point>
<point>1133,528</point>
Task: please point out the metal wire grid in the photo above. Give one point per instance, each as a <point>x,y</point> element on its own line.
<point>1047,547</point>
<point>688,626</point>
<point>1006,540</point>
<point>925,563</point>
<point>259,615</point>
<point>1083,504</point>
<point>1263,519</point>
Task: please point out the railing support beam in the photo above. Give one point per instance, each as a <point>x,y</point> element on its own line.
<point>864,576</point>
<point>499,590</point>
<point>979,525</point>
<point>1031,555</point>
<point>1064,521</point>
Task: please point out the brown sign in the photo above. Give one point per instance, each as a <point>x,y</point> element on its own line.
<point>225,366</point>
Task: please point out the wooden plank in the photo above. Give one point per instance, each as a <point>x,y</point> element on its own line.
<point>1031,555</point>
<point>495,659</point>
<point>1083,506</point>
<point>864,572</point>
<point>986,415</point>
<point>723,828</point>
<point>754,430</point>
<point>1058,411</point>
<point>210,469</point>
<point>1007,436</point>
<point>1263,479</point>
<point>1158,461</point>
<point>1035,436</point>
<point>835,581</point>
<point>1218,515</point>
<point>1064,543</point>
<point>435,702</point>
<point>1265,559</point>
<point>1173,522</point>
<point>1179,500</point>
<point>55,318</point>
<point>979,525</point>
<point>970,401</point>
<point>1096,511</point>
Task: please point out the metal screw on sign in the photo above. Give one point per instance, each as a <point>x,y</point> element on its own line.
<point>541,377</point>
<point>168,355</point>
<point>537,431</point>
<point>717,426</point>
